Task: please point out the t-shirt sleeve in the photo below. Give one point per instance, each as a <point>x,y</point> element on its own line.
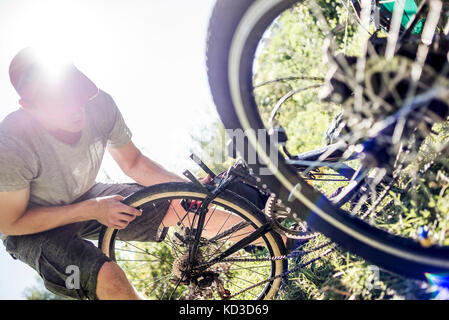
<point>17,166</point>
<point>119,134</point>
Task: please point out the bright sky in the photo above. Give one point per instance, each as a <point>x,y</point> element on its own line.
<point>148,54</point>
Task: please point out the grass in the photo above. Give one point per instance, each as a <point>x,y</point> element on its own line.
<point>342,275</point>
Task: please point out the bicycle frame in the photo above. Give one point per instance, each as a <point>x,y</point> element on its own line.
<point>232,175</point>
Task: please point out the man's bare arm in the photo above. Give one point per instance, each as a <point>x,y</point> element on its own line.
<point>140,168</point>
<point>16,219</point>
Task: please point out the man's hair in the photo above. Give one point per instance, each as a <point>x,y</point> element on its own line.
<point>32,62</point>
<point>20,65</point>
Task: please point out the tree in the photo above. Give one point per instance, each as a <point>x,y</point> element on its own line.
<point>39,292</point>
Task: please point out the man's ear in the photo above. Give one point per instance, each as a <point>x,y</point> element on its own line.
<point>25,104</point>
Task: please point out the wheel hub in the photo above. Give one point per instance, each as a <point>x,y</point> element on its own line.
<point>181,265</point>
<point>384,90</point>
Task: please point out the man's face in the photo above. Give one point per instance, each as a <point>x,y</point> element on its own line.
<point>59,104</point>
<point>62,113</point>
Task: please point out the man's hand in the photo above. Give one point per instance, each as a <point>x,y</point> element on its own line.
<point>111,212</point>
<point>206,180</point>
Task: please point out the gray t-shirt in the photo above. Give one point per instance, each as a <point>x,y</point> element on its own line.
<point>58,173</point>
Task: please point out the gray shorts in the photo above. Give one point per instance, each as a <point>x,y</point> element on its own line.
<point>51,253</point>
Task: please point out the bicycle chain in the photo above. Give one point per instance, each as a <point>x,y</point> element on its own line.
<point>286,273</point>
<point>247,175</point>
<point>274,209</point>
<point>294,254</point>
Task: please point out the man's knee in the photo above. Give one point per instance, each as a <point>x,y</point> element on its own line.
<point>113,284</point>
<point>110,278</point>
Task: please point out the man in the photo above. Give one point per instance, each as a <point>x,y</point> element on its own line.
<point>50,153</point>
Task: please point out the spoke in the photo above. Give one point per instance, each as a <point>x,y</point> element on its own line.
<point>287,96</point>
<point>395,26</point>
<point>288,79</point>
<point>130,244</point>
<point>163,293</point>
<point>126,250</point>
<point>224,223</point>
<point>357,18</point>
<point>177,285</point>
<point>245,291</point>
<point>158,279</point>
<point>361,61</point>
<point>142,250</point>
<point>233,284</point>
<point>149,261</point>
<point>210,217</point>
<point>328,180</point>
<point>217,250</point>
<point>245,280</point>
<point>173,245</point>
<point>240,234</point>
<point>181,220</point>
<point>226,241</point>
<point>250,268</point>
<point>234,228</point>
<point>240,267</point>
<point>421,56</point>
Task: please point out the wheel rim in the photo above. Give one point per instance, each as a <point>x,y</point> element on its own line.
<point>395,248</point>
<point>237,274</point>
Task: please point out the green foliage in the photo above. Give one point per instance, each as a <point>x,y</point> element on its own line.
<point>294,46</point>
<point>156,259</point>
<point>39,292</point>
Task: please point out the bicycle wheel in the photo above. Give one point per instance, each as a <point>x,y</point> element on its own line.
<point>235,32</point>
<point>156,269</point>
